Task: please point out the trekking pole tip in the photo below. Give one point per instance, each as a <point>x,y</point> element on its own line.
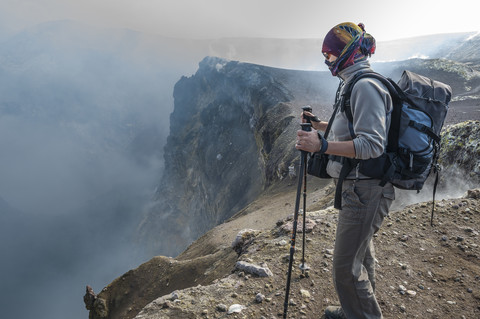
<point>303,267</point>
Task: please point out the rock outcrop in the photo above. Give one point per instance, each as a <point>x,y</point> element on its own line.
<point>461,151</point>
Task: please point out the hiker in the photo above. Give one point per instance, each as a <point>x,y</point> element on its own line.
<point>364,203</point>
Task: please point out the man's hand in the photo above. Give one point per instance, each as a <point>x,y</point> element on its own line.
<point>308,141</point>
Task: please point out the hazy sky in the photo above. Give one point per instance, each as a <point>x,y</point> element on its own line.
<point>384,19</point>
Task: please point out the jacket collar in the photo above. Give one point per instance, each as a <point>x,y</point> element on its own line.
<point>347,73</point>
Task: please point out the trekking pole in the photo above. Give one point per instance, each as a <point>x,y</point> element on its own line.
<point>303,267</point>
<point>303,156</point>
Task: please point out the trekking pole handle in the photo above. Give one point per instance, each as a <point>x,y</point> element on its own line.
<point>309,119</point>
<point>307,108</point>
<point>307,127</point>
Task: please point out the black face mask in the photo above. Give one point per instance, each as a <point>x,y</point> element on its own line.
<point>330,65</point>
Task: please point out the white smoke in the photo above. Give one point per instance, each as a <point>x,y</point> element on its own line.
<point>452,184</point>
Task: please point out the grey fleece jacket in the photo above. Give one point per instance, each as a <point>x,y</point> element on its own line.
<point>371,104</point>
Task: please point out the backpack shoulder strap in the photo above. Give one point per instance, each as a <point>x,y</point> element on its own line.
<point>396,93</point>
<point>335,109</point>
<point>394,90</point>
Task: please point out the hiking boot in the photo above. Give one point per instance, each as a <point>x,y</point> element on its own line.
<point>334,312</point>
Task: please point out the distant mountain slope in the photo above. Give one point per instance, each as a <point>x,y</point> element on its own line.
<point>467,51</point>
<point>428,47</point>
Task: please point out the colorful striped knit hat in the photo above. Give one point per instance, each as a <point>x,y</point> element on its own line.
<point>349,43</point>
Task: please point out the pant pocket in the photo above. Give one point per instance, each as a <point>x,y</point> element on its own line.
<point>353,208</point>
<point>389,192</point>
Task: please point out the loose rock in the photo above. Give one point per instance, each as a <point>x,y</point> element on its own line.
<point>253,269</point>
<point>236,308</point>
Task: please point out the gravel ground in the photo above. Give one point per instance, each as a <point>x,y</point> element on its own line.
<point>422,271</point>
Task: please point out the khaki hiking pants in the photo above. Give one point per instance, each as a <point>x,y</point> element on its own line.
<point>364,206</point>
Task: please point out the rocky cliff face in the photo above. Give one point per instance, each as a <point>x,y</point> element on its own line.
<point>232,134</point>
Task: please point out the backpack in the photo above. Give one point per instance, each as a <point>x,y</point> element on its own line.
<point>420,106</point>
